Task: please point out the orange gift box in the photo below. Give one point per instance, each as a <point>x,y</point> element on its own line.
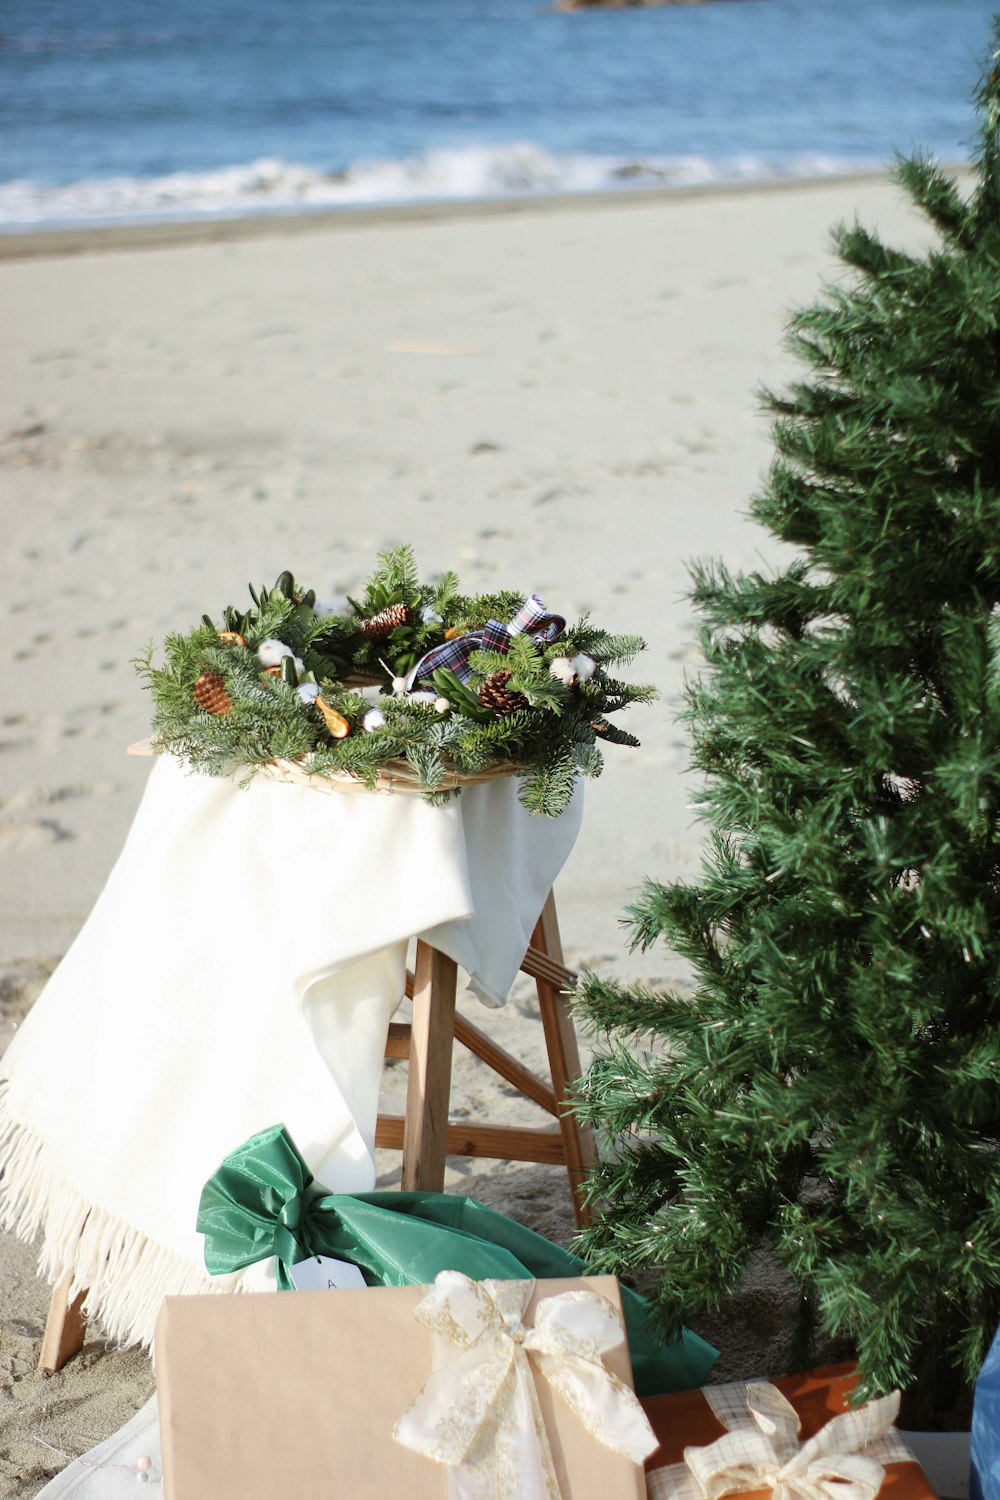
<point>685,1420</point>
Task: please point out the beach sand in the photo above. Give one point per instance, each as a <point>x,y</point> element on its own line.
<point>559,399</point>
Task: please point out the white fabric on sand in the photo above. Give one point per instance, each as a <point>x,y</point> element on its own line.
<point>109,1471</point>
<point>239,969</point>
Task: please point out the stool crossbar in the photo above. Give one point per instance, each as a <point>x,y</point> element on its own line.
<point>425,1134</point>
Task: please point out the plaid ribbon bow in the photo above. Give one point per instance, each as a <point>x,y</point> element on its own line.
<point>531,619</point>
<point>845,1460</point>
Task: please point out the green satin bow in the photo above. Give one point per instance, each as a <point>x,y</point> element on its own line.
<point>263,1201</point>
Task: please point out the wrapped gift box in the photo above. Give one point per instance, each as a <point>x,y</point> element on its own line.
<point>686,1420</point>
<point>297,1395</point>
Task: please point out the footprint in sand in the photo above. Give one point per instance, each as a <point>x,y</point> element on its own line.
<point>14,742</point>
<point>17,837</point>
<point>71,727</point>
<point>26,819</point>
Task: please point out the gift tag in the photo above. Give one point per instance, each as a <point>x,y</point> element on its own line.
<point>321,1273</point>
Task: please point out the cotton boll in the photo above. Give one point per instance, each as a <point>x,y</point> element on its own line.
<point>422,697</point>
<point>271,653</point>
<point>323,608</point>
<point>307,691</point>
<point>373,719</point>
<point>584,667</point>
<point>297,663</point>
<point>562,670</point>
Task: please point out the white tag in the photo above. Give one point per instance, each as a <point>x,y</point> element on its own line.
<point>321,1273</point>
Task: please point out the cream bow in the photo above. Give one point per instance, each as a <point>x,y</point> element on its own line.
<point>480,1413</point>
<point>843,1461</point>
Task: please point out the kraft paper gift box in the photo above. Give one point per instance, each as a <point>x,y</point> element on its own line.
<point>685,1419</point>
<point>297,1394</point>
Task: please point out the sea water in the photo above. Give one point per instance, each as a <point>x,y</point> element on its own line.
<point>136,109</point>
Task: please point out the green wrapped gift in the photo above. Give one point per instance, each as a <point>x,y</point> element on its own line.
<point>263,1202</point>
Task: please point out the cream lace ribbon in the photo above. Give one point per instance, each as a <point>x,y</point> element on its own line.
<point>843,1461</point>
<point>479,1413</point>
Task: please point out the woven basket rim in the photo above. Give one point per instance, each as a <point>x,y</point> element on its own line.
<point>393,776</point>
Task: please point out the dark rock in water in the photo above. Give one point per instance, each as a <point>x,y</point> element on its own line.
<point>635,170</point>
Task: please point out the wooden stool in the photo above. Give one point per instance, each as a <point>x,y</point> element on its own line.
<point>424,1135</point>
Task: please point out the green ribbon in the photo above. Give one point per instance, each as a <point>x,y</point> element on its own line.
<point>263,1202</point>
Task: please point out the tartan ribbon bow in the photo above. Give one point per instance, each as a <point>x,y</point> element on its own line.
<point>843,1461</point>
<point>478,1412</point>
<point>531,619</point>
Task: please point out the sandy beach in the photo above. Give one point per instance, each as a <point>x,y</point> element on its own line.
<point>559,399</point>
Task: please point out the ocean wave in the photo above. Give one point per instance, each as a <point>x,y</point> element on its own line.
<point>517,169</point>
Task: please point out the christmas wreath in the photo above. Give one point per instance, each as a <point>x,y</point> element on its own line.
<point>410,677</point>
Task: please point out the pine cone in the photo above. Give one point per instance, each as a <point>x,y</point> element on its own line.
<point>495,694</point>
<point>209,692</point>
<point>379,627</point>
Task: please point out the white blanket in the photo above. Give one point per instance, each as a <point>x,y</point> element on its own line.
<point>239,969</point>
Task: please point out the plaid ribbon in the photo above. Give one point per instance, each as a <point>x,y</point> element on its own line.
<point>531,619</point>
<point>761,1450</point>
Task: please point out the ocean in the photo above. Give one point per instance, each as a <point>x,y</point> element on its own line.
<point>129,110</point>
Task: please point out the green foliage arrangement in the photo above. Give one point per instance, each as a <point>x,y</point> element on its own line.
<point>831,1086</point>
<point>346,692</point>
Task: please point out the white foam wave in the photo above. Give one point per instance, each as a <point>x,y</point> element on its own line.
<point>270,184</point>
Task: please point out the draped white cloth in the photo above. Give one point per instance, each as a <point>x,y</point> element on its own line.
<point>240,968</point>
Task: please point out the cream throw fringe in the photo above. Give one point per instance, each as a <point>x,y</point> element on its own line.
<point>126,1274</point>
<point>210,1041</point>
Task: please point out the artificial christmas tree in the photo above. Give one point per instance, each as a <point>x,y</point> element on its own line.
<point>831,1085</point>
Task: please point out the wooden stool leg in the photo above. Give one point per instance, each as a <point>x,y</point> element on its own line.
<point>428,1083</point>
<point>564,1059</point>
<point>65,1328</point>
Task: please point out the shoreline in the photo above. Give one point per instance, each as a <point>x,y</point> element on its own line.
<point>84,239</point>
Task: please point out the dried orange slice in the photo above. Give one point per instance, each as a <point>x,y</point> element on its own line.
<point>336,724</point>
